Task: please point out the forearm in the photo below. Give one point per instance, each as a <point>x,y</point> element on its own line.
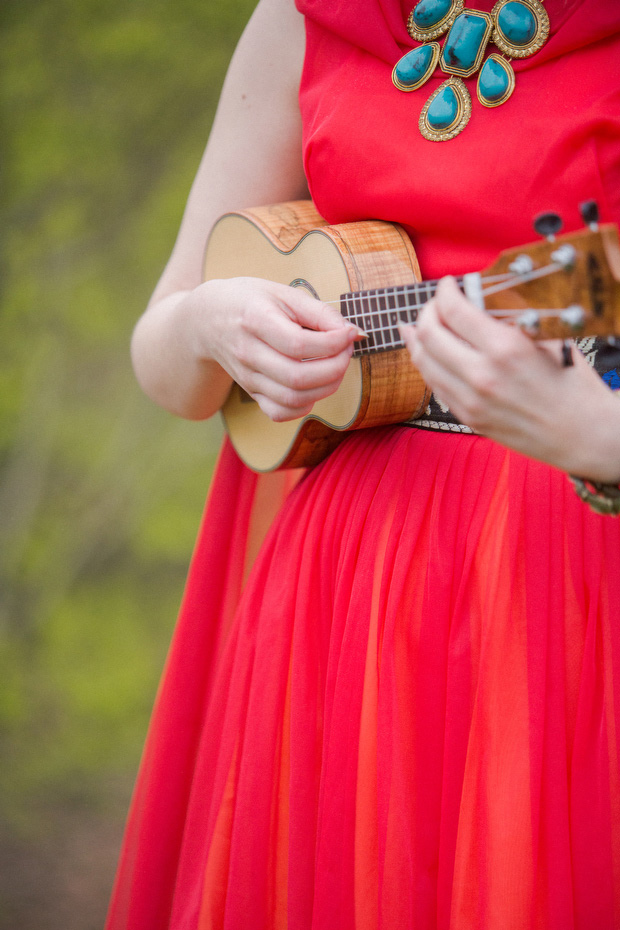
<point>253,157</point>
<point>169,357</point>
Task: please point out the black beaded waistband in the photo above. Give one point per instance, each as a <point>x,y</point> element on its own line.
<point>603,357</point>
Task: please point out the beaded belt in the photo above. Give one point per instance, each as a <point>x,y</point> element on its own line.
<point>604,358</point>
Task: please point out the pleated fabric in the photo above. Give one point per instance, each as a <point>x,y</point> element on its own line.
<point>413,720</point>
<point>402,709</point>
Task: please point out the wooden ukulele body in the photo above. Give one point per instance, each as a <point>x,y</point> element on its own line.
<point>291,244</point>
<point>552,289</point>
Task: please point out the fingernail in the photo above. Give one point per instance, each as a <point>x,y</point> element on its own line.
<point>359,332</point>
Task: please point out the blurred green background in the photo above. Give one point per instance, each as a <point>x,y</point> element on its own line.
<point>106,106</point>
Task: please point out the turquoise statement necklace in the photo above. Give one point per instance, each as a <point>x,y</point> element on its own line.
<point>519,28</point>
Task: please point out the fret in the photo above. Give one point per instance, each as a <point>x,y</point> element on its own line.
<point>359,309</point>
<point>403,304</point>
<point>392,304</point>
<point>345,308</point>
<point>380,311</point>
<point>377,326</point>
<point>356,309</point>
<point>393,317</point>
<point>368,324</point>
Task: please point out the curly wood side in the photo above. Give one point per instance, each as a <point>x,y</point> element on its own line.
<point>286,223</point>
<point>379,254</point>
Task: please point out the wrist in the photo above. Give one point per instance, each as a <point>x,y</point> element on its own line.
<point>172,361</point>
<point>595,454</point>
<point>193,321</point>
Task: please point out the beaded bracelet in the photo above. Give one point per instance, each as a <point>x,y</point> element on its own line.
<point>602,498</point>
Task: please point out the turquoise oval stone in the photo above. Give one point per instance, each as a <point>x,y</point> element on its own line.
<point>444,109</point>
<point>517,23</point>
<point>464,41</point>
<point>414,65</point>
<point>428,13</point>
<point>493,80</point>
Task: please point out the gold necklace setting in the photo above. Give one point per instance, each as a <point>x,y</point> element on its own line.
<point>519,28</point>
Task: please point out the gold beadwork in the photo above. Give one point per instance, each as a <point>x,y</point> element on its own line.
<point>433,32</point>
<point>460,121</point>
<point>511,82</point>
<point>492,33</point>
<point>461,72</point>
<point>431,67</point>
<point>541,36</point>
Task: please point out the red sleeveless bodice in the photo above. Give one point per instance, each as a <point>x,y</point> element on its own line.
<point>408,715</point>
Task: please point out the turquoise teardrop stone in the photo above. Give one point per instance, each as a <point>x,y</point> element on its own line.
<point>464,41</point>
<point>517,23</point>
<point>493,80</point>
<point>428,13</point>
<point>444,109</point>
<point>414,65</point>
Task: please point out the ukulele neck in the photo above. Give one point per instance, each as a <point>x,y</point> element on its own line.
<point>381,311</point>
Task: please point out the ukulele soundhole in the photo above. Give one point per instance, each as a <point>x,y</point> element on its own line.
<point>301,282</point>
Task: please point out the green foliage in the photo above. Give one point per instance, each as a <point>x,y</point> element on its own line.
<point>106,106</point>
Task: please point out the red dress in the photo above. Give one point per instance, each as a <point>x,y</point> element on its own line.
<point>408,716</point>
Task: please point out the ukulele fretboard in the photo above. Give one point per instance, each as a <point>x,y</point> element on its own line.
<point>380,311</point>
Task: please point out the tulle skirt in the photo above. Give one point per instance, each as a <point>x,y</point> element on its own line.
<point>409,719</point>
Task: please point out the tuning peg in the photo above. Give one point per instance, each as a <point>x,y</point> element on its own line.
<point>529,321</point>
<point>565,256</point>
<point>548,225</point>
<point>521,265</point>
<point>573,316</point>
<point>589,213</point>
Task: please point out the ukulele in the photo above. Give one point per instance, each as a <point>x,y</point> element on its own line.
<point>559,287</point>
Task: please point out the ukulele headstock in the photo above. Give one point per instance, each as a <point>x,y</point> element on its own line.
<point>560,287</point>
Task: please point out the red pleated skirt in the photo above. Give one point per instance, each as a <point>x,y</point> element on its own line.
<point>408,720</point>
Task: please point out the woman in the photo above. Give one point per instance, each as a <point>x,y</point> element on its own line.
<point>408,715</point>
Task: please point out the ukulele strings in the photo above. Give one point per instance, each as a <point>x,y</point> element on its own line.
<point>497,283</point>
<point>403,288</point>
<point>525,278</point>
<point>393,342</point>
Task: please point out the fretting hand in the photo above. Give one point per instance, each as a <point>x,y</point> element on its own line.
<point>286,349</point>
<point>505,386</point>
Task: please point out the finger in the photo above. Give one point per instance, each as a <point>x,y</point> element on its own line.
<point>288,337</point>
<point>291,403</point>
<point>408,333</point>
<point>313,313</point>
<point>469,323</point>
<point>280,403</point>
<point>443,380</point>
<point>554,350</point>
<point>499,348</point>
<point>277,412</point>
<point>297,374</point>
<point>436,341</point>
